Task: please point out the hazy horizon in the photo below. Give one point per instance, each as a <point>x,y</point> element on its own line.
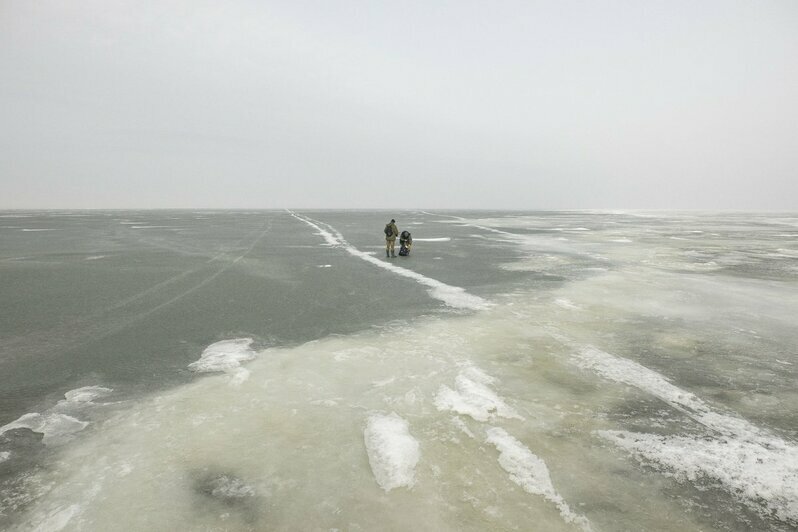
<point>312,105</point>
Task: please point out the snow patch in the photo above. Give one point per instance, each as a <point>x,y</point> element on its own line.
<point>472,397</point>
<point>226,356</point>
<point>439,239</point>
<point>530,472</point>
<point>85,395</point>
<point>392,451</point>
<point>754,465</point>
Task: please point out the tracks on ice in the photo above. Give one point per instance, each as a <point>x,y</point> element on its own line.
<point>104,322</point>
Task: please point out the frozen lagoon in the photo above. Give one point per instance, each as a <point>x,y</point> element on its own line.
<point>261,370</point>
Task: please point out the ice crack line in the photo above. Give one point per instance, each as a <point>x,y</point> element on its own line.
<point>453,296</point>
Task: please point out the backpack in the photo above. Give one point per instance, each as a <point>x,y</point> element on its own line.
<point>388,230</point>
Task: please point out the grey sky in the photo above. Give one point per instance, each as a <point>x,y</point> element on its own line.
<point>453,104</point>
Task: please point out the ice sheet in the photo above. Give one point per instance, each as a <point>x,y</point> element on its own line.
<point>753,464</point>
<point>453,296</point>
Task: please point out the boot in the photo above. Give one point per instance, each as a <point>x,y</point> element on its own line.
<point>393,254</point>
<point>387,254</point>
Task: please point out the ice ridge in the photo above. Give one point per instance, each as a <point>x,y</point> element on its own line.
<point>756,466</point>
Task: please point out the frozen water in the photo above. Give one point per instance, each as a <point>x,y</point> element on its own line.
<point>574,370</point>
<point>530,472</point>
<point>747,460</point>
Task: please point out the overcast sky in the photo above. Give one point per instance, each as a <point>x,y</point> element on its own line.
<point>399,104</point>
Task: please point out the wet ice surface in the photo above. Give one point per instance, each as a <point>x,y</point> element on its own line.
<point>605,371</point>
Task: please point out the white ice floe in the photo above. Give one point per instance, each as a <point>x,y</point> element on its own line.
<point>472,397</point>
<point>226,356</point>
<point>4,455</point>
<point>530,472</point>
<point>324,266</point>
<point>392,451</point>
<point>59,423</point>
<point>85,395</point>
<point>758,467</point>
<point>453,296</point>
<point>55,427</point>
<point>37,230</point>
<point>440,239</point>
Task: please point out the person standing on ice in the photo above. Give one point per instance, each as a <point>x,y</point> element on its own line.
<point>391,232</point>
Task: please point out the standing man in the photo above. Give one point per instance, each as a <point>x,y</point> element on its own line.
<point>391,232</point>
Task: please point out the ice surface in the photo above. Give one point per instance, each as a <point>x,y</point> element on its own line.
<point>393,452</point>
<point>59,423</point>
<point>307,433</point>
<point>453,296</point>
<point>439,239</point>
<point>87,394</point>
<point>474,398</point>
<point>756,469</point>
<point>752,463</point>
<point>55,427</point>
<point>225,487</point>
<point>58,519</point>
<point>530,472</point>
<point>226,356</point>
